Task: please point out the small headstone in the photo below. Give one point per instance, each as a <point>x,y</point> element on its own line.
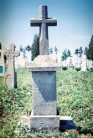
<point>70,62</point>
<point>84,63</point>
<point>10,75</point>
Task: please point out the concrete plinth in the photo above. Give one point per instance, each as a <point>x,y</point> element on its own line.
<point>44,108</point>
<point>44,122</point>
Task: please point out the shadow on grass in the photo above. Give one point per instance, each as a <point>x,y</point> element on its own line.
<point>66,125</point>
<point>69,124</point>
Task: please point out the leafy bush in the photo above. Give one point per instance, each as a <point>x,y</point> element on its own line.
<point>75,98</point>
<point>14,103</point>
<point>78,68</point>
<point>64,68</point>
<point>91,69</point>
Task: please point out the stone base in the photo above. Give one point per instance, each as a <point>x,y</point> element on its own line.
<point>11,80</point>
<point>44,122</point>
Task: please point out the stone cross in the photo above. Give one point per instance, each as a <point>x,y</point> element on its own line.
<point>43,68</point>
<point>43,22</point>
<point>10,77</point>
<point>11,54</point>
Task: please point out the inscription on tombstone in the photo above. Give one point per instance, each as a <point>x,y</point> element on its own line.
<point>43,22</point>
<point>10,75</point>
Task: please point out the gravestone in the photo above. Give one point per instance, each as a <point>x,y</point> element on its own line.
<point>89,64</point>
<point>10,75</point>
<point>43,68</point>
<point>84,63</point>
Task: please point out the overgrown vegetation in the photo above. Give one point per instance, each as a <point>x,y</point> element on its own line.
<point>14,103</point>
<point>64,68</point>
<point>78,68</point>
<point>74,98</point>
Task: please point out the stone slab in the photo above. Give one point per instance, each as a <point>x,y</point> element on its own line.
<point>44,63</point>
<point>44,69</point>
<point>65,122</point>
<point>38,21</point>
<point>44,122</point>
<point>44,93</point>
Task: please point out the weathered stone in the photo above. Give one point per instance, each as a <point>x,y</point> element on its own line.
<point>44,63</point>
<point>84,63</point>
<point>45,122</point>
<point>43,22</point>
<point>44,93</point>
<point>44,110</point>
<point>10,75</point>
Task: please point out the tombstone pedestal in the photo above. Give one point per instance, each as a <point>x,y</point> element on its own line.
<point>9,77</point>
<point>44,111</point>
<point>84,63</point>
<point>44,122</point>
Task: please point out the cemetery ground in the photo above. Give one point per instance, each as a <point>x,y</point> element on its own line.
<point>74,98</point>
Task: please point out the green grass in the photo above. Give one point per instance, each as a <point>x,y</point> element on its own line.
<point>74,98</point>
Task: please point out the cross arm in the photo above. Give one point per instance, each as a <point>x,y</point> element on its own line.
<point>51,22</point>
<point>39,21</point>
<point>35,22</point>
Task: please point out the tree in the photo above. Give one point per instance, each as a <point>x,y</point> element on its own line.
<point>80,51</point>
<point>51,51</point>
<point>35,47</point>
<point>56,50</point>
<point>23,50</point>
<point>28,48</point>
<point>76,52</point>
<point>86,51</point>
<point>89,51</point>
<point>65,54</point>
<point>69,53</point>
<point>91,48</point>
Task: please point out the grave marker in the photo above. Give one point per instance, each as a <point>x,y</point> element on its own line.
<point>43,68</point>
<point>10,76</point>
<point>84,63</point>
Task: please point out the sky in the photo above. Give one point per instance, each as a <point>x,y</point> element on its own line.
<point>74,22</point>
